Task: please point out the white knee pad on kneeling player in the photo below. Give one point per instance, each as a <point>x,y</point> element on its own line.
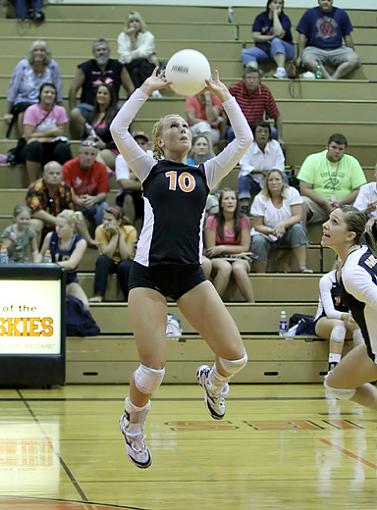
<point>338,333</point>
<point>147,380</point>
<point>357,336</point>
<point>343,394</point>
<point>233,366</point>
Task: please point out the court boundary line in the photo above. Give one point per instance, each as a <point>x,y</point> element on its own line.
<point>63,500</point>
<point>62,462</point>
<point>348,453</point>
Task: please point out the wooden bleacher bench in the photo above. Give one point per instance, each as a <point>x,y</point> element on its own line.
<point>112,359</point>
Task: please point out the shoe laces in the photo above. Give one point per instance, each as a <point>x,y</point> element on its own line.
<point>135,436</point>
<point>136,440</point>
<point>217,393</point>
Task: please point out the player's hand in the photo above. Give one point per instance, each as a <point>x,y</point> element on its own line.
<point>217,87</point>
<point>156,81</point>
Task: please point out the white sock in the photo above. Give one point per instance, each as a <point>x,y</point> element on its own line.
<point>137,414</point>
<point>216,379</point>
<point>282,69</point>
<point>334,358</point>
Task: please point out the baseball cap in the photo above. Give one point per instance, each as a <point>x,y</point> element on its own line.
<point>140,134</point>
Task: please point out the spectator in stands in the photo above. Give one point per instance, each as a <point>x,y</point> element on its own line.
<point>333,319</point>
<point>276,219</point>
<point>263,154</point>
<point>271,32</point>
<point>97,127</point>
<point>366,200</point>
<point>329,179</point>
<point>205,116</point>
<point>29,9</point>
<point>227,241</point>
<point>130,197</point>
<point>200,151</point>
<point>20,238</point>
<point>116,244</point>
<point>47,197</point>
<point>89,75</point>
<point>322,30</point>
<point>67,249</point>
<point>27,77</point>
<point>89,180</point>
<point>256,102</point>
<point>137,49</point>
<point>44,125</point>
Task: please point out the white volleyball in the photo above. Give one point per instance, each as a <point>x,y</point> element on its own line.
<point>187,71</point>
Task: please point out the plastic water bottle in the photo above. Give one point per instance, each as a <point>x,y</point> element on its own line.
<point>319,71</point>
<point>283,324</point>
<point>91,131</point>
<point>4,259</point>
<point>47,258</point>
<point>230,14</point>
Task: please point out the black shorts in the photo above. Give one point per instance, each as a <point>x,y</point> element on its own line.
<point>170,280</point>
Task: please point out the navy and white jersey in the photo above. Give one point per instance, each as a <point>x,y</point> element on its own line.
<point>359,293</point>
<point>175,193</point>
<point>59,254</point>
<point>330,302</point>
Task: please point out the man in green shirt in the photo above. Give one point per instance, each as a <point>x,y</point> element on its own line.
<point>329,179</point>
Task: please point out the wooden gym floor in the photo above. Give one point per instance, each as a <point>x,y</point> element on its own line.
<point>280,447</point>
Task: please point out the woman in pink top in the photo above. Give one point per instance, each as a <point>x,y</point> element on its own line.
<point>44,125</point>
<point>227,240</point>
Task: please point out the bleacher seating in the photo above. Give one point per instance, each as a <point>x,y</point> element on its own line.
<point>311,111</point>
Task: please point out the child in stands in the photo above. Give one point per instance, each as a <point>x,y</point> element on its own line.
<point>20,238</point>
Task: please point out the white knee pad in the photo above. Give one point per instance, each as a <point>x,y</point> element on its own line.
<point>147,380</point>
<point>233,366</point>
<point>338,333</point>
<point>357,336</point>
<point>343,394</point>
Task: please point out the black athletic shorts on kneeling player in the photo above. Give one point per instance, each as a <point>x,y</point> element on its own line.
<point>170,280</point>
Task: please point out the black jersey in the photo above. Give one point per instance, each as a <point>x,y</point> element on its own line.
<point>359,293</point>
<point>174,204</point>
